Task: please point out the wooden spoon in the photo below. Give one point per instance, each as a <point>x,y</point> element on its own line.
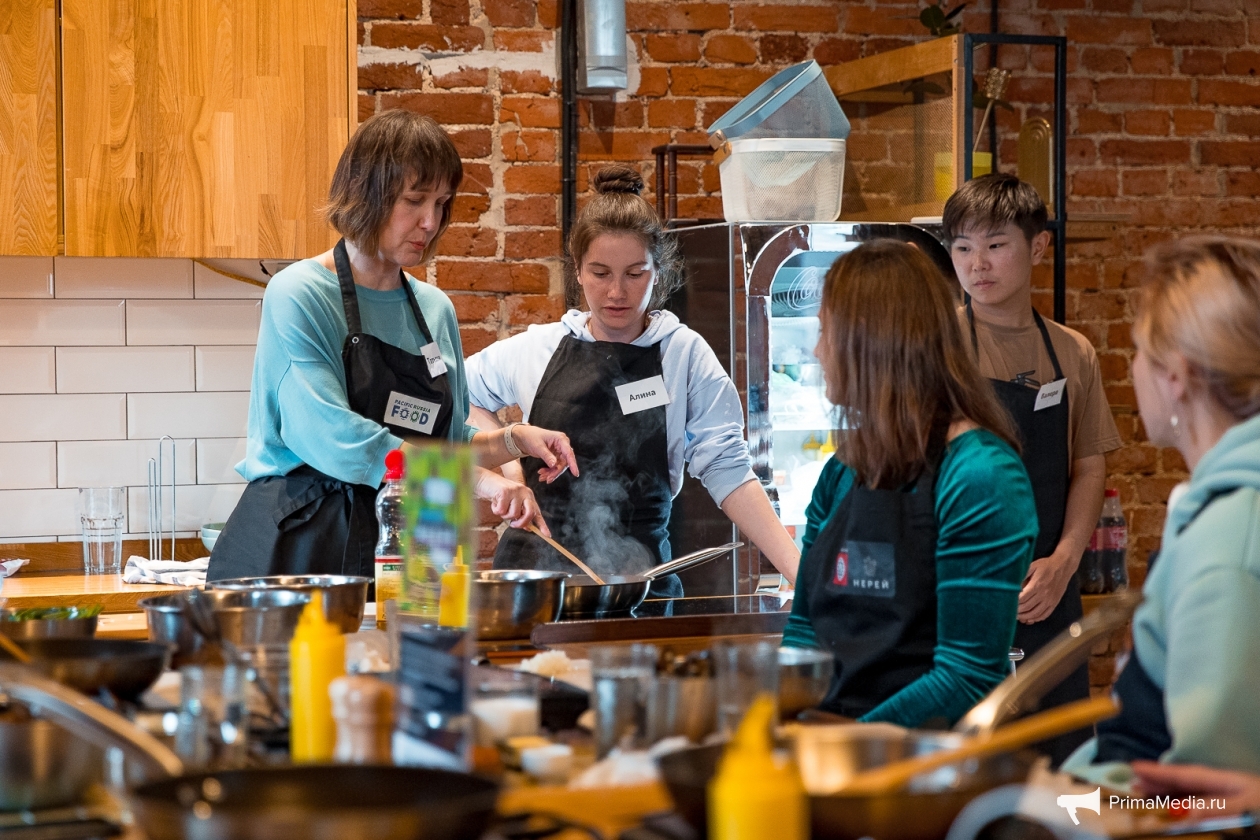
<point>533,529</point>
<point>13,650</point>
<point>1047,724</point>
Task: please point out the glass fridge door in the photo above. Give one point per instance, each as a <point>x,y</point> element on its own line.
<point>801,419</point>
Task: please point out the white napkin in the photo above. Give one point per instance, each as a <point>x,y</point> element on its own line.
<point>175,572</point>
<point>10,567</point>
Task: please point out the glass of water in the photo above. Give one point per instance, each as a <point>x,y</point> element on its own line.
<point>742,672</point>
<point>101,514</point>
<point>622,677</point>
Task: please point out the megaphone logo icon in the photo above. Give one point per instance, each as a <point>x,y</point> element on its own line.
<point>1072,801</point>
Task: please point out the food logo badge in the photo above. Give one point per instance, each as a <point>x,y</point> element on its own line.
<point>841,577</point>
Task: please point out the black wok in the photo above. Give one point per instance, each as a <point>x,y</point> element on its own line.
<point>619,594</point>
<point>124,668</point>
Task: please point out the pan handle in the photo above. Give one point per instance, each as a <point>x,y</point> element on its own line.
<point>1049,666</point>
<point>86,718</point>
<point>695,558</point>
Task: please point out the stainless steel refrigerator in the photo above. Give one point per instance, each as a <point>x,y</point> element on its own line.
<point>752,290</point>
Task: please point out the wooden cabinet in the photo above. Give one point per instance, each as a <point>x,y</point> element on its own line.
<point>190,128</point>
<point>28,127</point>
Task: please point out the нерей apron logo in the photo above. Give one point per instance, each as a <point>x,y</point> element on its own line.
<point>641,395</point>
<point>867,568</point>
<point>433,358</point>
<point>410,413</point>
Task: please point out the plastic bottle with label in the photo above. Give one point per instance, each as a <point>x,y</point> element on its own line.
<point>1113,544</point>
<point>1091,574</point>
<point>389,551</point>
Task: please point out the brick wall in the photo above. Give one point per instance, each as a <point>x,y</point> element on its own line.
<point>1163,121</point>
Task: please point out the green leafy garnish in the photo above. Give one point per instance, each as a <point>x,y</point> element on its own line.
<point>52,613</point>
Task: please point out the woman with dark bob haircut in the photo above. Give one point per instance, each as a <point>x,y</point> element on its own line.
<point>921,527</point>
<point>355,358</point>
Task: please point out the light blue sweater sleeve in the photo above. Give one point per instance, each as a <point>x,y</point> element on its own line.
<point>299,412</point>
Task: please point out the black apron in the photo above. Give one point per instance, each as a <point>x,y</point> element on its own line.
<point>622,498</point>
<point>1044,436</point>
<point>872,589</point>
<point>307,522</point>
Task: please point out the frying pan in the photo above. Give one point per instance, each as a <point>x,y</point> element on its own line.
<point>619,594</point>
<point>310,802</point>
<point>124,668</point>
<point>928,804</point>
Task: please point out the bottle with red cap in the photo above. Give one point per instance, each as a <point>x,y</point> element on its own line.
<point>1113,543</point>
<point>389,552</point>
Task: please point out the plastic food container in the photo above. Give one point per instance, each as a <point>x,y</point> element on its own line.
<point>784,180</point>
<point>795,102</point>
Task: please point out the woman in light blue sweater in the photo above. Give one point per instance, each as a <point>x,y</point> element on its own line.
<point>1190,690</point>
<point>354,358</point>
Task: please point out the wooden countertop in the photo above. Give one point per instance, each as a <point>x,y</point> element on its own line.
<point>80,590</point>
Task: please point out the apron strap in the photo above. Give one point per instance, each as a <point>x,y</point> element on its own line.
<point>350,298</point>
<point>1041,325</point>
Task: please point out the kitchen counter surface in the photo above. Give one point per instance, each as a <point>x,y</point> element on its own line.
<point>79,590</point>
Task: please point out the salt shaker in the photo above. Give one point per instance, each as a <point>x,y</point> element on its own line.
<point>364,710</point>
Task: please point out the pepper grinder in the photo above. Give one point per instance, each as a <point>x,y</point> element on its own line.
<point>364,710</point>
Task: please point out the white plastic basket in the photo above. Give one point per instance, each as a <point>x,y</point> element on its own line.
<point>782,180</point>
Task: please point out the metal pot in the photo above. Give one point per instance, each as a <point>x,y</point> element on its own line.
<point>619,594</point>
<point>509,603</point>
<point>41,764</point>
<point>344,595</point>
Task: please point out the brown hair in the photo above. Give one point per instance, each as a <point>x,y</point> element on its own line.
<point>390,152</point>
<point>990,202</point>
<point>1200,296</point>
<point>618,207</point>
<point>896,362</point>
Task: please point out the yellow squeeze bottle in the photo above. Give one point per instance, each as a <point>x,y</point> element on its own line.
<point>453,602</point>
<point>755,794</point>
<point>317,656</point>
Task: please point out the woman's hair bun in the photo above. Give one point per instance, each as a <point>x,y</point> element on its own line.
<point>618,179</point>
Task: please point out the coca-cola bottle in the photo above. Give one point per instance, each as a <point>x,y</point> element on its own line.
<point>1091,573</point>
<point>1113,543</point>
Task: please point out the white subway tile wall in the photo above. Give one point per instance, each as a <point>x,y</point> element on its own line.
<point>99,358</point>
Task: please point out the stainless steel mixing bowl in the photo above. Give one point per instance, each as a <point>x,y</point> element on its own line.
<point>344,595</point>
<point>509,603</point>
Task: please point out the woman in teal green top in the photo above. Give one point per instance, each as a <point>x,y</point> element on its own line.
<point>921,529</point>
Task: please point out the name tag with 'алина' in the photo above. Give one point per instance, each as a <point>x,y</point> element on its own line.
<point>646,393</point>
<point>411,413</point>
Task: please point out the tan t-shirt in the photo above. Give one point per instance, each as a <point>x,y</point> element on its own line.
<point>1006,352</point>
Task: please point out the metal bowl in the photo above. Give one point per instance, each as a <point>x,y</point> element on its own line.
<point>804,678</point>
<point>344,595</point>
<point>169,625</point>
<point>509,603</point>
<point>41,764</point>
<point>47,628</point>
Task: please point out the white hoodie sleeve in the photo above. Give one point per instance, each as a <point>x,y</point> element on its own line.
<point>508,371</point>
<point>715,450</point>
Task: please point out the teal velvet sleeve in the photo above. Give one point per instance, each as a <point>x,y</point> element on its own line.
<point>833,485</point>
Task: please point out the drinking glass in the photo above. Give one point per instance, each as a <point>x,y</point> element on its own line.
<point>101,513</point>
<point>213,723</point>
<point>743,671</point>
<point>622,681</point>
<point>504,705</point>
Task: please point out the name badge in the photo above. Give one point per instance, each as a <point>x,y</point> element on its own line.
<point>411,413</point>
<point>1051,394</point>
<point>866,568</point>
<point>433,358</point>
<point>644,394</point>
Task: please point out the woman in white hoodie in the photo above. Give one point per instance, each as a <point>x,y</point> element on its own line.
<point>639,394</point>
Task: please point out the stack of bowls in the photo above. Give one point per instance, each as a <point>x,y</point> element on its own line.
<point>344,596</point>
<point>245,618</point>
